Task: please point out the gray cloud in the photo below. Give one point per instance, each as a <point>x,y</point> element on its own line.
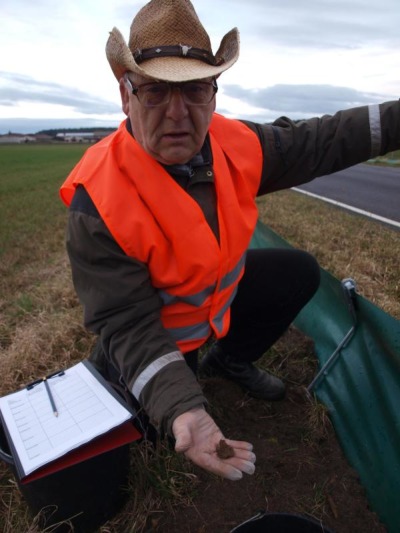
<point>309,23</point>
<point>17,88</point>
<point>324,34</point>
<point>302,99</point>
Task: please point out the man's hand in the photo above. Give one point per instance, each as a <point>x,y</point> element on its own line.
<point>197,436</point>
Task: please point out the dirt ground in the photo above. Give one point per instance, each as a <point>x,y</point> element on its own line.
<point>300,465</point>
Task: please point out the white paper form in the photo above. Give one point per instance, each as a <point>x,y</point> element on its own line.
<point>86,409</point>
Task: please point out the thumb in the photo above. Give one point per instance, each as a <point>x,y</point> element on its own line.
<point>183,439</point>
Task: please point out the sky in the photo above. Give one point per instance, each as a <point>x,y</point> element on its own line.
<point>299,58</point>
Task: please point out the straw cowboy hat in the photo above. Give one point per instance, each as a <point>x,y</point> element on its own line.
<point>168,42</point>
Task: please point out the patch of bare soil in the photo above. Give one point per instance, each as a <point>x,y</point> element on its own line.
<point>300,466</point>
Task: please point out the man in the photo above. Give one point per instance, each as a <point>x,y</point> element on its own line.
<point>161,215</point>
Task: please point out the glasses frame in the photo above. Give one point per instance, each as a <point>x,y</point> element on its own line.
<point>135,90</point>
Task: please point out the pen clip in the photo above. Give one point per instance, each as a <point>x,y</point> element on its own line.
<point>33,383</point>
<point>41,380</point>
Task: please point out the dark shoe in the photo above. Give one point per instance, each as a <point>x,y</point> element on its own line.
<point>256,382</point>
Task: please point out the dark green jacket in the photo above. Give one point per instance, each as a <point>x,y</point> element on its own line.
<point>120,304</point>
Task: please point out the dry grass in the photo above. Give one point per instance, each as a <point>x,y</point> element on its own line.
<point>42,328</point>
<point>345,244</point>
<point>166,482</point>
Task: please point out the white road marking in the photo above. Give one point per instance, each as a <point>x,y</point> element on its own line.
<point>349,207</point>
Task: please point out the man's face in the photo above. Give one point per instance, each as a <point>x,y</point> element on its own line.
<point>172,133</point>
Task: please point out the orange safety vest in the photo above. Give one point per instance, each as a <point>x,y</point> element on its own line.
<point>155,221</point>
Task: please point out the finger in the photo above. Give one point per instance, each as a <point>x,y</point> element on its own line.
<point>247,467</point>
<point>216,466</point>
<point>245,455</point>
<point>183,440</point>
<point>233,474</point>
<point>232,468</point>
<point>226,471</point>
<point>240,444</point>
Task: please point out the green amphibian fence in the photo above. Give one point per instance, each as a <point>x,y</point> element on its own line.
<point>358,347</point>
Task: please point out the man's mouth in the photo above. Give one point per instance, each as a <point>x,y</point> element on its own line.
<point>176,135</point>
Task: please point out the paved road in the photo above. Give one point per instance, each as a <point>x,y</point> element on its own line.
<point>373,189</point>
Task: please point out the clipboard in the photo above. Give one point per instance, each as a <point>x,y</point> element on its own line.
<point>92,418</point>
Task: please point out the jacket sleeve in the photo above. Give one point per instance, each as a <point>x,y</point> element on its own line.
<point>122,307</point>
<point>296,152</point>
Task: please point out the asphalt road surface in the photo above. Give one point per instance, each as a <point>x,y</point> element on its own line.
<point>372,189</point>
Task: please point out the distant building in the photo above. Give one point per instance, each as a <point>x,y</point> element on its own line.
<point>75,137</point>
<point>43,137</point>
<point>82,137</point>
<point>16,138</point>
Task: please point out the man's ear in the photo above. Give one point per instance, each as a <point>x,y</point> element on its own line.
<point>124,92</point>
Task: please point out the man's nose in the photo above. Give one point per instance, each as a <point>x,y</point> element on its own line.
<point>177,108</point>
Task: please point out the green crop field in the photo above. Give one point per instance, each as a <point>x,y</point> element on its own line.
<point>30,210</point>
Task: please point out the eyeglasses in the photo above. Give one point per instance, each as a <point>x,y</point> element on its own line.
<point>155,94</point>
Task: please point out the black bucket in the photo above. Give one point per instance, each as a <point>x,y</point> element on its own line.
<point>281,523</point>
<point>85,495</point>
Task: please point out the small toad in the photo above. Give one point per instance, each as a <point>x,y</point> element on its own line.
<point>224,451</point>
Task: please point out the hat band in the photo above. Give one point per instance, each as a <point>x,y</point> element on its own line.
<point>179,50</point>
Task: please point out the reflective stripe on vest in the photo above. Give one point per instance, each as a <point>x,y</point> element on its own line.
<point>194,299</point>
<point>218,319</point>
<point>199,298</point>
<point>375,129</point>
<point>190,333</point>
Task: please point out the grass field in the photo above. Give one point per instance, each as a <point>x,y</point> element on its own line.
<point>40,317</point>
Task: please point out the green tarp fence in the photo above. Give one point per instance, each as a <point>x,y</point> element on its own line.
<point>361,388</point>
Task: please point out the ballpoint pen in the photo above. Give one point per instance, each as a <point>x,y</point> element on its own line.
<point>53,405</point>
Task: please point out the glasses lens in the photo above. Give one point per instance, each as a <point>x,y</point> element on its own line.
<point>153,94</point>
<point>158,94</point>
<point>198,93</point>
